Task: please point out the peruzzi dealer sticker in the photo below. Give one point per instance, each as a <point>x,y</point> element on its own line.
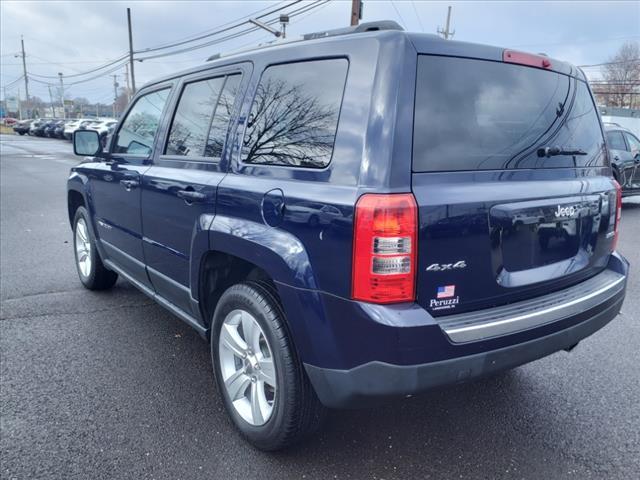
<point>445,298</point>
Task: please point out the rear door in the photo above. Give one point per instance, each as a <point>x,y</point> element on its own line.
<point>179,190</point>
<point>511,177</point>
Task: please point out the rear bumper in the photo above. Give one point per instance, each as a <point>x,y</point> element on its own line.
<point>376,381</point>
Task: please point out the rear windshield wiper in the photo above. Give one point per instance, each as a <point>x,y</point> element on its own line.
<point>554,151</point>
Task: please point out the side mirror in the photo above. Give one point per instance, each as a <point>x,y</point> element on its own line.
<point>87,143</point>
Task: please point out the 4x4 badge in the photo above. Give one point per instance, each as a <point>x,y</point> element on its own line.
<point>438,267</point>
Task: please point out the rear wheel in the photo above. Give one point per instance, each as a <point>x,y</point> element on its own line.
<point>92,272</point>
<point>262,382</point>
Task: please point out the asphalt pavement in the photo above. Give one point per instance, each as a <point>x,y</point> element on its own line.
<point>109,385</point>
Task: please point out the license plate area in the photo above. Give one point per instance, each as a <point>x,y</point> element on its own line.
<point>540,240</point>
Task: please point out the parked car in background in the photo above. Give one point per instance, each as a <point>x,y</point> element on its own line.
<point>74,125</point>
<point>37,127</point>
<point>281,201</point>
<point>50,127</point>
<point>22,127</point>
<point>59,130</point>
<point>624,150</point>
<point>9,121</point>
<point>103,127</point>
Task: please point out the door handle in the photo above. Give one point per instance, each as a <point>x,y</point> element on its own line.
<point>191,196</point>
<point>129,184</point>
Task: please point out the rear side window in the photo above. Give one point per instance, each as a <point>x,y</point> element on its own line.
<point>482,115</point>
<point>294,115</point>
<point>138,130</point>
<point>616,141</point>
<point>201,120</point>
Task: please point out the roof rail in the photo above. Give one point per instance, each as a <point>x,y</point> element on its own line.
<point>363,27</point>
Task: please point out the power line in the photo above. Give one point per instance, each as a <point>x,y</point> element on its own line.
<point>216,32</point>
<point>413,4</point>
<point>231,36</point>
<point>404,24</point>
<point>610,63</point>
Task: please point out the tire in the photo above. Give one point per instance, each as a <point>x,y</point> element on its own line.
<point>288,412</point>
<point>21,133</point>
<point>92,272</point>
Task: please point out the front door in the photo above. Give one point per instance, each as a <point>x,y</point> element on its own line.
<point>115,184</point>
<point>179,190</point>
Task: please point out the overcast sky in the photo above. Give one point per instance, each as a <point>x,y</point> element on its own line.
<point>76,36</point>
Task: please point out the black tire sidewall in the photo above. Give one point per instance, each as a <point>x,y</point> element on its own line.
<point>246,296</point>
<point>89,280</point>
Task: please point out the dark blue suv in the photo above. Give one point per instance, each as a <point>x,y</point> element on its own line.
<point>360,215</point>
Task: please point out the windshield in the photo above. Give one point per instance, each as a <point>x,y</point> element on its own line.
<point>483,115</point>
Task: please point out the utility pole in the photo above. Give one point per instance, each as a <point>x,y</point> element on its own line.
<point>64,113</point>
<point>19,105</point>
<point>133,77</point>
<point>53,108</point>
<point>126,77</point>
<point>24,72</point>
<point>115,94</point>
<point>356,12</point>
<point>446,33</point>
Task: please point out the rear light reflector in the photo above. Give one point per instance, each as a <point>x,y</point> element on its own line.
<point>618,214</point>
<point>522,58</point>
<point>384,248</point>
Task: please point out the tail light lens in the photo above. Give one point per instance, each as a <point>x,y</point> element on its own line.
<point>618,214</point>
<point>385,248</point>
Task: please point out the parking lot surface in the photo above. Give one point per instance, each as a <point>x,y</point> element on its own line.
<point>110,385</point>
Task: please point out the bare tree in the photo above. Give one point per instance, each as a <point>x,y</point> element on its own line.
<point>288,127</point>
<point>622,76</point>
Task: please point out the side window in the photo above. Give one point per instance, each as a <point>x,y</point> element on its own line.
<point>190,126</point>
<point>294,115</point>
<point>138,130</point>
<point>615,140</point>
<point>201,120</point>
<point>220,122</point>
<point>634,143</point>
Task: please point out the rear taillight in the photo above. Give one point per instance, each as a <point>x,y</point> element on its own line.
<point>385,248</point>
<point>523,58</point>
<point>618,214</point>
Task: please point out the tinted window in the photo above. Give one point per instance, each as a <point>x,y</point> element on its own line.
<point>190,127</point>
<point>295,113</point>
<point>476,114</point>
<point>633,142</point>
<point>615,141</point>
<point>220,122</point>
<point>136,135</point>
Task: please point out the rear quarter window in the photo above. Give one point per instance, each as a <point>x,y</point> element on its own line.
<point>484,115</point>
<point>294,116</point>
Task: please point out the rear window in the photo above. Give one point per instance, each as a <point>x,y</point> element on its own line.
<point>484,115</point>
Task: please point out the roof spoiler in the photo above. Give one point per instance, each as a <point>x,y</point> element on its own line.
<point>363,27</point>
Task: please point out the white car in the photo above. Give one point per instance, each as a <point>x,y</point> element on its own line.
<point>103,126</point>
<point>73,125</point>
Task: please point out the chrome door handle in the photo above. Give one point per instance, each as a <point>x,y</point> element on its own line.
<point>191,196</point>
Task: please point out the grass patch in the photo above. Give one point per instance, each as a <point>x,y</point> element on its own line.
<point>5,129</point>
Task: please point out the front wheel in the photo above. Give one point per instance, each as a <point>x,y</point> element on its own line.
<point>262,382</point>
<point>92,272</point>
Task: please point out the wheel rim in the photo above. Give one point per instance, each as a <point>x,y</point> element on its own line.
<point>83,248</point>
<point>247,367</point>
